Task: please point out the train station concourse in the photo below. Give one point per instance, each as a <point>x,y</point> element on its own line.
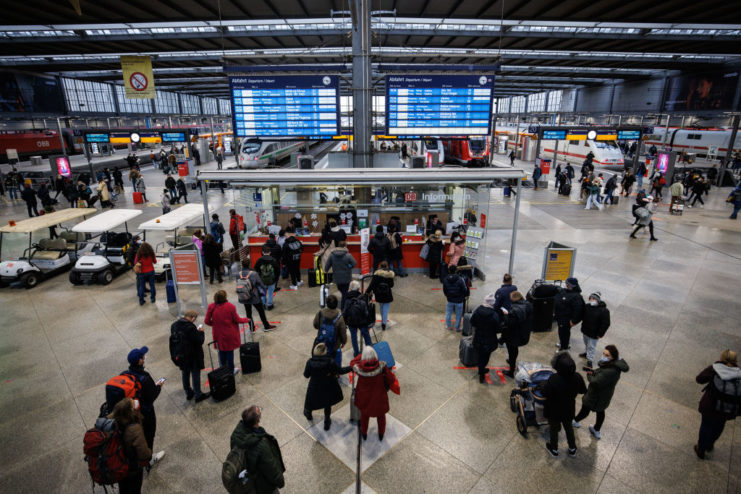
<point>266,247</point>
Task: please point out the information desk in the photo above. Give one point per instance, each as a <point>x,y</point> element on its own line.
<point>411,246</point>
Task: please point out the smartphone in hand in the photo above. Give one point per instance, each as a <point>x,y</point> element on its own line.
<point>161,381</point>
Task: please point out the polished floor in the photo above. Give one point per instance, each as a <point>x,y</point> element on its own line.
<point>674,307</point>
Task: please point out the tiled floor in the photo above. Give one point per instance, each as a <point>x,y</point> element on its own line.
<point>674,308</point>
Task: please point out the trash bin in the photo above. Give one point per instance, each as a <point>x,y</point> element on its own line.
<point>543,298</point>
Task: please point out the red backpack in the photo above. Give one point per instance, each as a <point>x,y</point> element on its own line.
<point>125,385</point>
<point>105,455</point>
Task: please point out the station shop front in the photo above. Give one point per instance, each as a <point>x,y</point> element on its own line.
<point>360,201</point>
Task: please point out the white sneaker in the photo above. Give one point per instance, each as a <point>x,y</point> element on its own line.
<point>236,371</point>
<point>156,458</point>
<point>575,424</point>
<point>300,283</point>
<point>594,432</point>
<point>293,287</point>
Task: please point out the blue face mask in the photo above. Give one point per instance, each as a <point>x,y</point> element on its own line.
<point>604,359</point>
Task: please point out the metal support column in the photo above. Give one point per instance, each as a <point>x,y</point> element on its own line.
<point>204,196</point>
<point>213,144</point>
<point>729,152</point>
<point>361,84</point>
<point>514,228</point>
<point>61,138</point>
<point>517,133</point>
<point>666,132</point>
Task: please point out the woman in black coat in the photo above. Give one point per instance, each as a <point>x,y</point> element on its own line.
<point>324,389</point>
<point>435,254</point>
<point>212,258</point>
<point>486,325</point>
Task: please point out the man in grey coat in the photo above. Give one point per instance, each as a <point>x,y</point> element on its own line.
<point>341,263</point>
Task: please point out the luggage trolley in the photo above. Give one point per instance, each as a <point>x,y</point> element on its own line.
<point>527,400</point>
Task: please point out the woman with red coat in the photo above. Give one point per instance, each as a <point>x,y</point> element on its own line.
<point>371,392</point>
<point>224,321</point>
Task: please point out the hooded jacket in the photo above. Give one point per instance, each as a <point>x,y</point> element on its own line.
<point>596,320</point>
<point>561,390</point>
<point>710,394</point>
<point>340,328</point>
<point>435,254</point>
<point>602,384</point>
<point>324,389</point>
<point>341,263</point>
<point>485,322</point>
<point>134,441</point>
<point>269,260</point>
<point>379,246</point>
<point>263,457</point>
<point>374,379</point>
<point>275,249</point>
<point>455,252</point>
<point>519,323</point>
<point>194,341</point>
<point>381,277</point>
<point>569,305</point>
<point>501,296</point>
<point>455,289</point>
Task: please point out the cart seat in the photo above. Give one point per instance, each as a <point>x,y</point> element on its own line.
<point>72,238</point>
<point>50,249</point>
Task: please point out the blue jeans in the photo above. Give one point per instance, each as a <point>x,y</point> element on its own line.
<point>141,280</point>
<point>354,339</point>
<point>133,185</point>
<point>396,266</point>
<point>385,312</point>
<point>640,180</point>
<point>267,299</point>
<point>592,199</point>
<point>608,197</point>
<point>338,357</point>
<point>591,345</point>
<point>458,308</point>
<point>736,209</point>
<point>194,375</point>
<point>226,358</point>
<point>13,192</point>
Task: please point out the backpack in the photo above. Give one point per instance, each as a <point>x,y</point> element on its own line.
<point>217,230</point>
<point>392,239</point>
<point>662,181</point>
<point>327,332</point>
<point>244,289</point>
<point>295,246</point>
<point>727,396</point>
<point>642,213</point>
<point>105,456</point>
<point>736,195</point>
<point>356,312</point>
<point>124,385</point>
<point>232,473</point>
<point>267,273</point>
<point>180,353</point>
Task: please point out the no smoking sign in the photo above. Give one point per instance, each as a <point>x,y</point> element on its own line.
<point>138,81</point>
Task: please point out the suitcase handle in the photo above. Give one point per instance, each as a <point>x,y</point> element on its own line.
<point>251,328</point>
<point>210,358</point>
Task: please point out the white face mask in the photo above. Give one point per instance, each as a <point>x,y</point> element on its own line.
<point>593,303</point>
<point>604,359</point>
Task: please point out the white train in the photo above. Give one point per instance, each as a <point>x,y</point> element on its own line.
<point>700,142</point>
<point>260,154</point>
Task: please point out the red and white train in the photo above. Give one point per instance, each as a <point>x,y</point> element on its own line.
<point>471,152</point>
<point>705,142</point>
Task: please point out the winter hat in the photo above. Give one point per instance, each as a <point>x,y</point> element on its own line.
<point>137,354</point>
<point>572,282</point>
<point>490,299</point>
<point>596,296</point>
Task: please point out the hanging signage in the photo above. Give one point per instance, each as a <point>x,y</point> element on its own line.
<point>172,136</point>
<point>628,135</point>
<point>97,138</point>
<point>554,134</point>
<point>137,77</point>
<point>558,262</point>
<point>364,254</point>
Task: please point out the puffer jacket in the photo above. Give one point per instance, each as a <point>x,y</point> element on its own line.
<point>569,305</point>
<point>602,384</point>
<point>710,395</point>
<point>596,320</point>
<point>455,252</point>
<point>435,254</point>
<point>519,323</point>
<point>381,277</point>
<point>194,341</point>
<point>455,289</point>
<point>374,379</point>
<point>263,457</point>
<point>379,246</point>
<point>324,389</point>
<point>340,328</point>
<point>341,263</point>
<point>485,322</point>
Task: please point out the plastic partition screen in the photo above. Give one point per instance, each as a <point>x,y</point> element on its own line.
<point>286,106</point>
<point>439,105</point>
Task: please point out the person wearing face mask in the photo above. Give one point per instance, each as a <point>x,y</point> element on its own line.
<point>594,325</point>
<point>602,382</point>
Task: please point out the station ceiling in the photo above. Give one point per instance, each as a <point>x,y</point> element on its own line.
<point>541,44</point>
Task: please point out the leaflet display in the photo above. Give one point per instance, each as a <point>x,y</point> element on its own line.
<point>432,105</point>
<point>286,106</point>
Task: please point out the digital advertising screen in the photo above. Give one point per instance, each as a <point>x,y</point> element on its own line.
<point>277,107</point>
<point>662,162</point>
<point>63,167</point>
<point>438,105</point>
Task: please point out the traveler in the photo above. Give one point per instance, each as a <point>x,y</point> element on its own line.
<point>59,186</point>
<point>560,392</point>
<point>291,256</point>
<point>640,174</point>
<point>196,154</point>
<point>516,331</point>
<point>712,175</point>
<point>12,186</point>
<point>182,190</point>
<point>568,310</point>
<point>250,280</point>
<point>341,263</point>
<point>645,219</point>
<point>236,227</point>
<point>434,225</point>
<point>455,250</point>
<point>332,235</point>
<point>190,348</point>
<point>141,187</point>
<point>435,252</point>
<point>144,268</point>
<point>537,173</point>
<point>594,325</point>
<point>128,420</point>
<point>593,191</point>
<point>677,193</point>
<point>331,328</point>
<point>324,388</point>
<point>219,155</point>
<point>456,291</point>
<point>104,194</point>
<point>149,393</point>
<point>197,240</point>
<point>371,392</point>
<point>264,459</point>
<point>610,187</point>
<point>165,201</point>
<point>356,315</point>
<point>133,175</point>
<point>627,182</point>
<point>512,158</point>
<point>29,197</point>
<point>721,400</point>
<point>735,198</point>
<point>657,185</point>
<point>602,382</point>
<point>44,195</point>
<point>485,325</point>
<point>558,176</point>
<point>222,316</point>
<point>379,246</point>
<point>502,300</point>
<point>171,187</point>
<point>268,269</point>
<point>699,188</point>
<point>217,230</point>
<point>212,258</point>
<point>395,254</point>
<point>570,172</point>
<point>381,285</point>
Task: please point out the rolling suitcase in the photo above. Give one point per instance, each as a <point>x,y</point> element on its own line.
<point>614,200</point>
<point>467,330</point>
<point>249,352</point>
<point>170,290</point>
<point>138,198</point>
<point>384,354</point>
<point>467,353</point>
<point>312,277</point>
<point>323,294</point>
<point>221,380</point>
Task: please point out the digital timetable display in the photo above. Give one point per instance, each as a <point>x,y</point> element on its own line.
<point>286,106</point>
<point>432,105</point>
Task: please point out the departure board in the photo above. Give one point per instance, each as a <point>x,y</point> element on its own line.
<point>286,106</point>
<point>432,105</point>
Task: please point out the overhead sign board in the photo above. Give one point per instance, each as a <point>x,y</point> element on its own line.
<point>554,134</point>
<point>173,136</point>
<point>137,77</point>
<point>120,137</point>
<point>439,105</point>
<point>628,135</point>
<point>97,137</point>
<point>286,106</point>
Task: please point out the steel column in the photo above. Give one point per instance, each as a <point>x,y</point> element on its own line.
<point>514,228</point>
<point>729,152</point>
<point>362,85</point>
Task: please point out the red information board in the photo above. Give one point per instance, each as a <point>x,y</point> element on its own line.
<point>185,264</point>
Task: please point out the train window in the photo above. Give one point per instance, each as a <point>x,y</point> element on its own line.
<point>476,145</point>
<point>251,147</point>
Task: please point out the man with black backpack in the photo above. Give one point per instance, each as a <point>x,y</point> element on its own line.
<point>186,351</point>
<point>331,327</point>
<point>250,290</point>
<point>149,393</point>
<point>356,315</point>
<point>267,268</point>
<point>217,230</point>
<point>292,249</point>
<point>516,332</point>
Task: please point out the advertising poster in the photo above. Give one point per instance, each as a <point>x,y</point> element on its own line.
<point>364,254</point>
<point>63,167</point>
<point>709,91</point>
<point>137,77</point>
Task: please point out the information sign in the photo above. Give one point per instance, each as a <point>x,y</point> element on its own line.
<point>437,105</point>
<point>186,267</point>
<point>97,137</point>
<point>554,134</point>
<point>628,135</point>
<point>558,262</point>
<point>286,106</point>
<point>173,136</point>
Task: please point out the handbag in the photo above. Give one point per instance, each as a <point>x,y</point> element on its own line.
<point>424,251</point>
<point>137,266</point>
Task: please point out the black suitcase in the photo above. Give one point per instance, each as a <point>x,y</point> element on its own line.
<point>312,277</point>
<point>221,380</point>
<point>467,353</point>
<point>467,329</point>
<point>614,200</point>
<point>566,189</point>
<point>249,352</point>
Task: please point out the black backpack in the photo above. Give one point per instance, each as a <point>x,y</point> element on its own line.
<point>356,312</point>
<point>179,350</point>
<point>727,396</point>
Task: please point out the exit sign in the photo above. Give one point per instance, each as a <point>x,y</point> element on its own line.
<point>410,196</point>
